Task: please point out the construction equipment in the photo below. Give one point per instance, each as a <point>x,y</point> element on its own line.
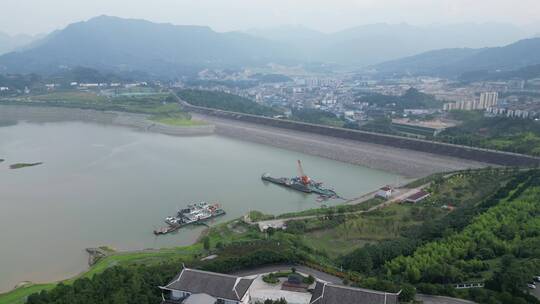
<point>303,177</point>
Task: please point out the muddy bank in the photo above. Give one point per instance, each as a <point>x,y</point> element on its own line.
<point>444,149</point>
<point>405,162</point>
<point>140,122</point>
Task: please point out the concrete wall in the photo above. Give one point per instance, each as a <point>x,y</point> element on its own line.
<point>464,152</point>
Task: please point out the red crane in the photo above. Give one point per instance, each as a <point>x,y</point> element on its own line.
<point>303,177</point>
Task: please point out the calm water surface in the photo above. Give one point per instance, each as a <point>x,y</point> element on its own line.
<point>103,185</point>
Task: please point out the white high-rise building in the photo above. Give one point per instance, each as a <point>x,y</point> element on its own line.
<point>488,99</point>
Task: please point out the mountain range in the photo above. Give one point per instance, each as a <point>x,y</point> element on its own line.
<point>467,61</point>
<point>375,43</point>
<point>112,43</point>
<point>125,45</point>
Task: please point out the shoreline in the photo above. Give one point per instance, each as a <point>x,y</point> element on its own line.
<point>140,122</point>
<point>407,163</point>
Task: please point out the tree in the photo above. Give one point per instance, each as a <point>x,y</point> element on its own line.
<point>408,292</point>
<point>206,243</point>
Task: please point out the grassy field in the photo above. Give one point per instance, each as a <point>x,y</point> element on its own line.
<point>178,120</point>
<point>71,96</point>
<point>358,230</point>
<point>152,102</point>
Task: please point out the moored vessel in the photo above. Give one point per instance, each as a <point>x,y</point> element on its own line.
<point>192,214</point>
<point>302,183</point>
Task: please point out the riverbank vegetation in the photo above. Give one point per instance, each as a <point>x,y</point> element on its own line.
<point>225,101</point>
<point>316,116</point>
<point>23,165</point>
<point>153,102</point>
<point>500,133</point>
<point>491,236</point>
<point>180,119</point>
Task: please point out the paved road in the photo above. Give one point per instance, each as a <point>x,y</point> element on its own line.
<point>428,299</point>
<point>404,193</point>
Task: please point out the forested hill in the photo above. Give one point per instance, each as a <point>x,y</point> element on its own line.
<point>500,247</point>
<point>456,62</point>
<point>226,102</point>
<point>111,43</point>
<point>496,242</point>
<point>500,133</point>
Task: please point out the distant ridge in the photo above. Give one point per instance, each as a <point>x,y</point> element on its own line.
<point>375,43</point>
<point>128,44</point>
<point>115,44</point>
<point>457,62</point>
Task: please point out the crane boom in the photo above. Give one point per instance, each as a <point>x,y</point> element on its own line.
<point>300,169</point>
<point>305,179</point>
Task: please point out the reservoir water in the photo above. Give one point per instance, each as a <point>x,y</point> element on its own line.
<point>105,185</point>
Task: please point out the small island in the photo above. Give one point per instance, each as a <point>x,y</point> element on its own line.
<point>24,165</point>
<point>1,160</point>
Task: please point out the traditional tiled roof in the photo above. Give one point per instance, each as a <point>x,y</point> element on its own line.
<point>325,293</point>
<point>418,196</point>
<point>214,284</point>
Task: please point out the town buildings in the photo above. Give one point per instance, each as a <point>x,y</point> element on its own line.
<point>486,100</point>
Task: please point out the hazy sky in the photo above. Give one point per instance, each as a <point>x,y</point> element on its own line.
<point>39,16</point>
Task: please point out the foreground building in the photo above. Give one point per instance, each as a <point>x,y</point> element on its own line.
<point>201,287</point>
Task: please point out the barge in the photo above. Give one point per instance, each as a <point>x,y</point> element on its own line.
<point>302,183</point>
<point>195,213</point>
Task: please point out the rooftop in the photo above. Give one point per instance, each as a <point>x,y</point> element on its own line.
<point>214,284</point>
<point>418,196</point>
<point>326,293</point>
<point>205,287</point>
